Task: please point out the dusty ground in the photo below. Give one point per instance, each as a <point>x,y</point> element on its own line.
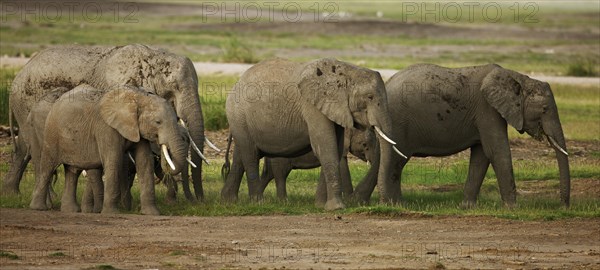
<point>304,242</point>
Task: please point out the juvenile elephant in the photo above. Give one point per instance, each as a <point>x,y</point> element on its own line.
<point>356,142</point>
<point>440,111</point>
<point>33,135</point>
<point>170,76</point>
<point>280,108</point>
<point>89,128</point>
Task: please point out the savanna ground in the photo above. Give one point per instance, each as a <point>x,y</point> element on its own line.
<point>428,230</point>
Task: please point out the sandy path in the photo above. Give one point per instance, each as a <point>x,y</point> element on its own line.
<point>208,68</point>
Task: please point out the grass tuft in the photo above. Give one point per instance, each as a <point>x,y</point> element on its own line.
<point>234,51</point>
<point>582,69</point>
<point>8,254</point>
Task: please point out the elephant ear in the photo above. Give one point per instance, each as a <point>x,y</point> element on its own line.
<point>119,110</point>
<point>504,93</point>
<point>325,84</point>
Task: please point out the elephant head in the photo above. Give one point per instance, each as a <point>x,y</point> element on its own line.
<point>528,105</point>
<point>352,97</point>
<point>137,114</point>
<point>362,144</point>
<point>172,77</point>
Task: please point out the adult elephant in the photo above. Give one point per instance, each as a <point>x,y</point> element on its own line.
<point>440,111</point>
<point>170,76</point>
<point>280,108</point>
<point>355,141</point>
<point>88,128</point>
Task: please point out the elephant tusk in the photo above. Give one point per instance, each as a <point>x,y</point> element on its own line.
<point>211,145</point>
<point>167,157</point>
<point>557,146</point>
<point>194,146</point>
<point>384,136</point>
<point>398,151</point>
<point>190,162</point>
<point>130,157</point>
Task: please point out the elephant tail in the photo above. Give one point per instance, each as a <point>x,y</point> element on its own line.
<point>226,166</point>
<point>11,126</point>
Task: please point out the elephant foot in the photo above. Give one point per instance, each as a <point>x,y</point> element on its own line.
<point>37,205</point>
<point>465,205</point>
<point>334,204</point>
<point>150,210</point>
<point>87,208</point>
<point>69,207</point>
<point>229,197</point>
<point>510,204</point>
<point>361,198</point>
<point>110,210</point>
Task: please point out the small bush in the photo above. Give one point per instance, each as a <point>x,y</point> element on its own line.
<point>582,69</point>
<point>236,52</point>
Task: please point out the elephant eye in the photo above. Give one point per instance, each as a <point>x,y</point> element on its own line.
<point>370,97</point>
<point>158,122</point>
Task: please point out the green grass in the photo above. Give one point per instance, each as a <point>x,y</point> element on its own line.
<point>192,36</point>
<point>6,78</point>
<point>9,255</point>
<point>431,187</point>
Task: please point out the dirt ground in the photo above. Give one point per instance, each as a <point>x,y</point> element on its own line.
<point>321,241</point>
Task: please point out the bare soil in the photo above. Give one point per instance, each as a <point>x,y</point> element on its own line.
<point>323,241</point>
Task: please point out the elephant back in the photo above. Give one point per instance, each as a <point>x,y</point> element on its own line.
<point>65,66</point>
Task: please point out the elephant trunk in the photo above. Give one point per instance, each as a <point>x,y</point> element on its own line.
<point>389,190</point>
<point>190,110</point>
<point>174,152</point>
<point>556,138</point>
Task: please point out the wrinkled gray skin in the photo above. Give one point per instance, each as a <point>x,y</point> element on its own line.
<point>33,132</point>
<point>170,76</point>
<point>356,142</point>
<point>281,108</point>
<point>440,111</point>
<point>89,128</point>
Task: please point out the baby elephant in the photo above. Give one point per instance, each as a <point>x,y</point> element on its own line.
<point>88,128</point>
<point>33,135</point>
<point>360,143</point>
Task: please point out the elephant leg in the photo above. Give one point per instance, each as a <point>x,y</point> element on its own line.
<point>281,171</point>
<point>68,203</point>
<point>250,162</point>
<point>145,169</point>
<point>266,176</point>
<point>478,166</point>
<point>365,188</point>
<point>326,143</point>
<point>346,178</point>
<point>93,194</point>
<point>321,195</point>
<point>497,149</point>
<point>185,185</point>
<point>197,179</point>
<point>20,159</point>
<point>44,170</point>
<point>171,190</point>
<point>113,171</point>
<point>234,178</point>
<point>126,179</point>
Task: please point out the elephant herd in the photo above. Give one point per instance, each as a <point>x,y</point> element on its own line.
<point>116,111</point>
